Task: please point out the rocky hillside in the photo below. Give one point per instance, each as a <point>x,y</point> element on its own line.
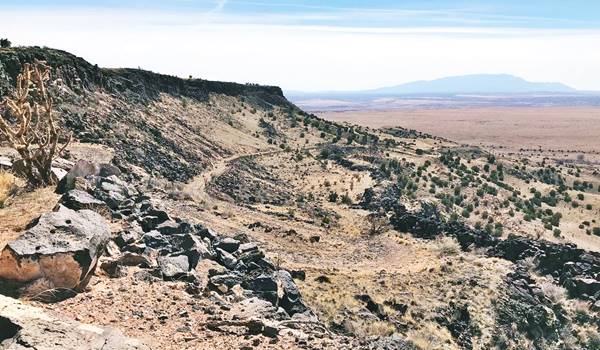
<point>166,125</point>
<point>197,214</point>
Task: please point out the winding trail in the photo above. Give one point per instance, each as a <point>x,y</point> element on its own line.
<point>198,184</point>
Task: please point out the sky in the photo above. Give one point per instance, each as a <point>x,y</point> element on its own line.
<point>321,45</point>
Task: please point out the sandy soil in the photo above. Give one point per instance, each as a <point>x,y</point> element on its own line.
<point>568,128</point>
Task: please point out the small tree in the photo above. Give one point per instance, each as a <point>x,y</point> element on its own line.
<point>4,43</point>
<point>28,124</point>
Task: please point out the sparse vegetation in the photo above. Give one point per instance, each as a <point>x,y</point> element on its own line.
<point>34,134</point>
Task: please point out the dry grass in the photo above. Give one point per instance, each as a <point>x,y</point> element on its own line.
<point>554,292</point>
<point>447,246</point>
<point>8,187</point>
<point>367,328</point>
<point>431,336</point>
<point>24,208</point>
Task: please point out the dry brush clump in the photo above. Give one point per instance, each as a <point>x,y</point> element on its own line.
<point>27,122</point>
<point>8,187</point>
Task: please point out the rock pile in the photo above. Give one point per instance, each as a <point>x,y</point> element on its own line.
<point>575,269</point>
<point>170,248</point>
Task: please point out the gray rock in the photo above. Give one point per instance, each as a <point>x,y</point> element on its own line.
<point>169,227</point>
<point>291,301</point>
<point>60,250</point>
<point>155,240</point>
<point>229,245</point>
<point>128,236</point>
<point>228,280</point>
<point>135,259</point>
<point>28,327</point>
<point>58,173</point>
<point>588,286</point>
<point>77,200</point>
<point>173,267</point>
<point>249,253</point>
<point>226,259</point>
<point>84,168</point>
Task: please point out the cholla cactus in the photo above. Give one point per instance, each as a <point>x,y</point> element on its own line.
<point>30,127</point>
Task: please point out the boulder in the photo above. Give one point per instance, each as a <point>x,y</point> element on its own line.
<point>226,259</point>
<point>59,251</point>
<point>173,267</point>
<point>58,173</point>
<point>77,200</point>
<point>169,227</point>
<point>289,295</point>
<point>228,280</point>
<point>249,253</point>
<point>587,286</point>
<point>229,245</point>
<point>84,168</point>
<point>128,236</point>
<point>27,327</point>
<point>155,240</point>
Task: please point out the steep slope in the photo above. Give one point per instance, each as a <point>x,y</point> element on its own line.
<point>166,125</point>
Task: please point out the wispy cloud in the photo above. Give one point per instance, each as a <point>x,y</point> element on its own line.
<point>219,7</point>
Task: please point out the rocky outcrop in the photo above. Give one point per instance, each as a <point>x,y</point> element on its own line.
<point>57,254</point>
<point>172,248</point>
<point>575,269</point>
<point>247,182</point>
<point>156,147</point>
<point>525,307</point>
<point>26,327</point>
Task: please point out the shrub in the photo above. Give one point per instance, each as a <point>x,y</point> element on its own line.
<point>555,293</point>
<point>4,43</point>
<point>333,197</point>
<point>447,246</point>
<point>346,199</point>
<point>556,232</point>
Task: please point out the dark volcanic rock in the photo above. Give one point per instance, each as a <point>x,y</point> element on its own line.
<point>226,259</point>
<point>532,313</point>
<point>77,200</point>
<point>229,245</point>
<point>457,319</point>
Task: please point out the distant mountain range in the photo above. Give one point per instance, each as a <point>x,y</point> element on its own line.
<point>464,84</point>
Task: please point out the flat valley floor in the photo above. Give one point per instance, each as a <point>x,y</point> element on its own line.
<point>566,130</point>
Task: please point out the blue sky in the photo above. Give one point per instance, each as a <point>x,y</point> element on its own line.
<point>314,45</point>
<point>506,13</point>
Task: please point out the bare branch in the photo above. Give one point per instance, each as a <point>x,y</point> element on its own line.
<point>34,133</point>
